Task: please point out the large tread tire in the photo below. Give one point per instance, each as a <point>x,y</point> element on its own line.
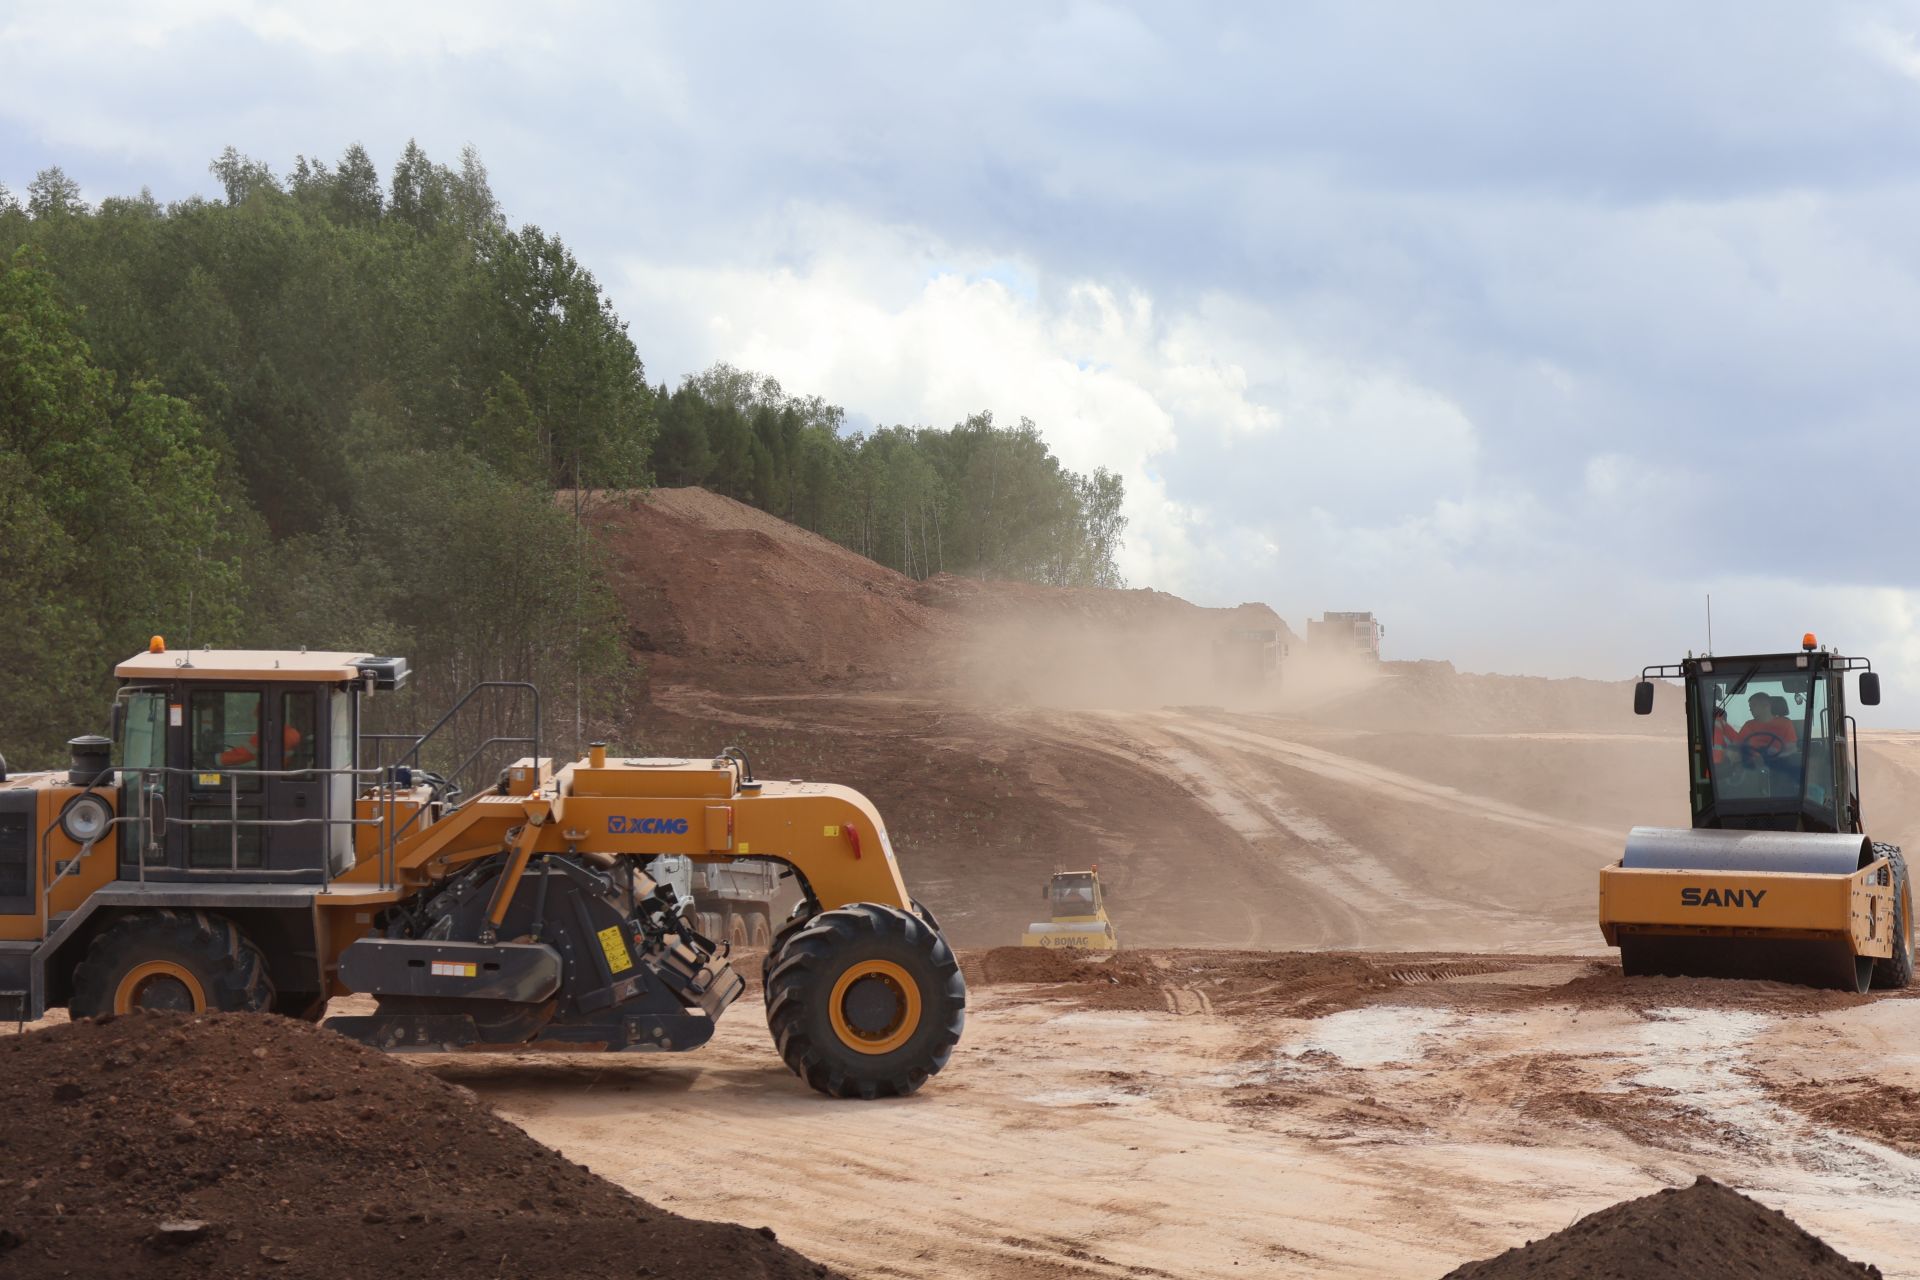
<point>197,949</point>
<point>1895,973</point>
<point>762,931</point>
<point>737,932</point>
<point>804,970</point>
<point>796,922</point>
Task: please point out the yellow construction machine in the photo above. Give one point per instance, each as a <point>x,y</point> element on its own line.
<point>1776,878</point>
<point>244,842</point>
<point>1078,914</point>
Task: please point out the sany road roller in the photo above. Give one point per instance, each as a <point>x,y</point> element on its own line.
<point>1776,878</point>
<point>244,841</point>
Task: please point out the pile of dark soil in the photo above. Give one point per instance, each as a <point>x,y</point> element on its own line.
<point>249,1145</point>
<point>1706,1232</point>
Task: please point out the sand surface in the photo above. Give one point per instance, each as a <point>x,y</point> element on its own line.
<point>1442,1115</point>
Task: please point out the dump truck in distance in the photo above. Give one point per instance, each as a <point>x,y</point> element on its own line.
<point>1776,877</point>
<point>732,900</point>
<point>242,842</point>
<point>1357,634</point>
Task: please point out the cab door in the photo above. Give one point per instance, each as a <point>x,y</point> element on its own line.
<point>214,804</point>
<point>296,788</point>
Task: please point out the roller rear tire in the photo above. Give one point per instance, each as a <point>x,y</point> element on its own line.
<point>1895,973</point>
<point>175,961</point>
<point>865,1001</point>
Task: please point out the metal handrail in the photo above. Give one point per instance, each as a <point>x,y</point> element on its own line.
<point>379,784</point>
<point>411,757</point>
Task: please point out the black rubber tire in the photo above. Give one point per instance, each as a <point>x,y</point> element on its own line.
<point>760,930</point>
<point>737,932</point>
<point>1895,973</point>
<point>801,975</point>
<point>230,969</point>
<point>793,925</point>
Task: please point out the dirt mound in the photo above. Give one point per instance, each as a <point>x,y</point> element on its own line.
<point>745,599</point>
<point>240,1145</point>
<point>741,600</point>
<point>1886,1113</point>
<point>1706,1232</point>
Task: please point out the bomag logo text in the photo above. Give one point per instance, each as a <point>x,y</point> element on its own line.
<point>647,826</point>
<point>1691,897</point>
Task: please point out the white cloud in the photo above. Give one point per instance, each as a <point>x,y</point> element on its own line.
<point>1894,48</point>
<point>1111,380</point>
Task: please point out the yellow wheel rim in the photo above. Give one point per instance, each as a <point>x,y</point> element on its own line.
<point>875,1007</point>
<point>129,995</point>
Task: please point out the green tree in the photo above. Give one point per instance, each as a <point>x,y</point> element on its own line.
<point>112,526</point>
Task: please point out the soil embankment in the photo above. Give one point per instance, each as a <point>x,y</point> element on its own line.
<point>1009,730</point>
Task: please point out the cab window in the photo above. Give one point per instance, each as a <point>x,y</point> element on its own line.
<point>296,729</point>
<point>225,729</point>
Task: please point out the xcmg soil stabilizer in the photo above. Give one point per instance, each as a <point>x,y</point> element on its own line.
<point>241,843</point>
<point>1776,878</point>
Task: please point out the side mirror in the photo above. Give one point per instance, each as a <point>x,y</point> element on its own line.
<point>1643,698</point>
<point>117,721</point>
<point>1870,688</point>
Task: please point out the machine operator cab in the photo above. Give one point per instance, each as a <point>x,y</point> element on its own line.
<point>1073,895</point>
<point>1768,739</point>
<point>241,763</point>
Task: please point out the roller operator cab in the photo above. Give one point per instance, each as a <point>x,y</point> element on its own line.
<point>243,841</point>
<point>1776,877</point>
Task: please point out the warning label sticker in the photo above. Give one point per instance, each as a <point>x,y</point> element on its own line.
<point>455,969</point>
<point>619,960</point>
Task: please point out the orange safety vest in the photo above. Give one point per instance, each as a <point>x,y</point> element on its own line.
<point>290,738</point>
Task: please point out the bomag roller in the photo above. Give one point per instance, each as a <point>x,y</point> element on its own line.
<point>1077,915</point>
<point>1777,877</point>
<point>242,842</point>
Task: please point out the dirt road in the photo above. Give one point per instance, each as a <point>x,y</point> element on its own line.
<point>1384,1118</point>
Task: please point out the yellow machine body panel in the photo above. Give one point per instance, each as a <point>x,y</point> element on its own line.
<point>1856,909</point>
<point>52,854</point>
<point>832,836</point>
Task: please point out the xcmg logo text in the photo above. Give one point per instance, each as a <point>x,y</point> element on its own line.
<point>647,826</point>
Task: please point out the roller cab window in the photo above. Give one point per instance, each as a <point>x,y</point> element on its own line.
<point>1073,895</point>
<point>1759,729</point>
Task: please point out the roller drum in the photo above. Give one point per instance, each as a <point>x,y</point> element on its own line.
<point>1789,852</point>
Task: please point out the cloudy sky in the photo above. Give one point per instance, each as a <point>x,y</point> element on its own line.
<point>1525,326</point>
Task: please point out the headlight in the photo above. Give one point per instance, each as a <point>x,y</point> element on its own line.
<point>86,819</point>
